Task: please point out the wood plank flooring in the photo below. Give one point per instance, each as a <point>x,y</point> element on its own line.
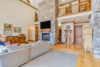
<point>85,59</point>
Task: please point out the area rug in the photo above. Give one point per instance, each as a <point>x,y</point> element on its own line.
<point>54,59</point>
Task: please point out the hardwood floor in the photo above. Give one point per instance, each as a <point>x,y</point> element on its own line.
<point>85,59</point>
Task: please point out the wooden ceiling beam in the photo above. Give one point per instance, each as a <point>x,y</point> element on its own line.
<point>29,4</point>
<point>28,1</point>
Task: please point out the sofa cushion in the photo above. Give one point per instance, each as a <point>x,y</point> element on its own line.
<point>11,48</point>
<point>39,49</point>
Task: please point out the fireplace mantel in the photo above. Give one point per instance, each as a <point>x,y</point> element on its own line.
<point>48,30</point>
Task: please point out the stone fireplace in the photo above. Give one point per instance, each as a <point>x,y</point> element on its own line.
<point>48,11</point>
<point>95,22</point>
<point>46,36</point>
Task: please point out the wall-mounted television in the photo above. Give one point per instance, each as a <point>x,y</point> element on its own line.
<point>45,25</point>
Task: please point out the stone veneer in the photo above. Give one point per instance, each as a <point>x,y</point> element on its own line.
<point>48,11</point>
<point>96,26</point>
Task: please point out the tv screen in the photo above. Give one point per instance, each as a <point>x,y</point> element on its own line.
<point>45,25</point>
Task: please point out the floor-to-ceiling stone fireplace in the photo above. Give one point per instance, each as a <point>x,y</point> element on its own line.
<point>48,11</point>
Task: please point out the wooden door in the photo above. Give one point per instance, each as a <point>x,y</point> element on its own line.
<point>79,34</point>
<point>59,36</point>
<point>36,33</point>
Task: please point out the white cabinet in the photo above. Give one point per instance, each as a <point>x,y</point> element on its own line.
<point>88,42</point>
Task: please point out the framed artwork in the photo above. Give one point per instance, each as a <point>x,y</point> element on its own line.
<point>17,29</point>
<point>7,29</point>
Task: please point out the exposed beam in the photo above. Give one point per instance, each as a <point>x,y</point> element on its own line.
<point>29,4</point>
<point>28,1</point>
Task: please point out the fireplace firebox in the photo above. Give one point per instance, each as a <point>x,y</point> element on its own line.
<point>46,36</point>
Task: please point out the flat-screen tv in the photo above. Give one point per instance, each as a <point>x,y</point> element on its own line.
<point>45,25</point>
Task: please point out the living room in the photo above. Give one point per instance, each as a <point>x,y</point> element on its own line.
<point>37,33</point>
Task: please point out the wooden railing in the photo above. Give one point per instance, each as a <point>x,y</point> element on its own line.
<point>74,7</point>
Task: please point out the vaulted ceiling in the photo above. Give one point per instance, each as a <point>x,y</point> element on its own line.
<point>32,3</point>
<point>35,2</point>
<point>63,1</point>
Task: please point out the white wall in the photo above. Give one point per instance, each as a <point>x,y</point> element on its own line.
<point>31,32</point>
<point>16,13</point>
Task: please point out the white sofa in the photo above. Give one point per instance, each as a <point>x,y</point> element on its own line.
<point>19,56</point>
<point>15,58</point>
<point>36,50</point>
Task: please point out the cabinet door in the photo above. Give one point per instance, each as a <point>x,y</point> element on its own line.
<point>88,42</point>
<point>88,30</point>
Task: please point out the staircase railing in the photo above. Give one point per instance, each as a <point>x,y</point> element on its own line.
<point>74,7</point>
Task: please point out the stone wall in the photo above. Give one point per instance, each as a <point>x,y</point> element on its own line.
<point>95,22</point>
<point>48,11</point>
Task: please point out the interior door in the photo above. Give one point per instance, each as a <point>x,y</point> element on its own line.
<point>36,33</point>
<point>59,35</point>
<point>79,34</point>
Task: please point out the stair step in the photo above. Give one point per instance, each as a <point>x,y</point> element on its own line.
<point>97,55</point>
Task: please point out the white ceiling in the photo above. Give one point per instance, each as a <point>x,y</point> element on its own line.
<point>35,2</point>
<point>63,1</point>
